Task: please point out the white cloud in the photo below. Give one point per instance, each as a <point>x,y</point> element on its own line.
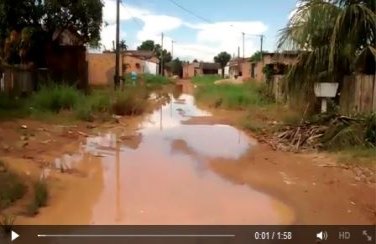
<point>221,36</point>
<point>108,36</point>
<point>210,38</point>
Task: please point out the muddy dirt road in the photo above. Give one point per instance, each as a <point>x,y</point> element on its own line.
<point>179,166</point>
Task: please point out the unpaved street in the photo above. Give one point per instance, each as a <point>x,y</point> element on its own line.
<point>184,165</point>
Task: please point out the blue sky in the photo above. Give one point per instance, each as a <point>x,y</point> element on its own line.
<point>195,38</point>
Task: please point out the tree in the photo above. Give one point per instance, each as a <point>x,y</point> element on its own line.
<point>84,16</point>
<point>331,35</point>
<point>222,58</point>
<point>147,45</point>
<point>177,67</point>
<point>257,56</point>
<point>123,46</point>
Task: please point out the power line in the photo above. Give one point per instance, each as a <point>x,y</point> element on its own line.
<point>190,11</point>
<point>211,22</point>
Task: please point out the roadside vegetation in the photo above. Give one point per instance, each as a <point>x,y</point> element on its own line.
<point>353,138</point>
<point>97,104</point>
<point>11,185</point>
<point>40,198</point>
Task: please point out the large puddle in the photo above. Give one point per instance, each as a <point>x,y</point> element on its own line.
<point>161,175</point>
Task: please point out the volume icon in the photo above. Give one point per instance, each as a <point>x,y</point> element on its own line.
<point>322,235</point>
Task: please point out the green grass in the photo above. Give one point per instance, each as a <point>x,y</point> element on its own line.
<point>40,198</point>
<point>228,96</point>
<point>132,101</point>
<point>55,98</point>
<point>98,104</point>
<point>11,107</point>
<point>205,79</point>
<point>12,187</point>
<point>358,155</point>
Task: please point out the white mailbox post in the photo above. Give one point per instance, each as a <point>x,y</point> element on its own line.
<point>325,90</point>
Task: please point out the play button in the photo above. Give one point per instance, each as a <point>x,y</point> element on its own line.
<point>14,236</point>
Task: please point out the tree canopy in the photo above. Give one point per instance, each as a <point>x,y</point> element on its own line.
<point>257,56</point>
<point>222,58</point>
<point>331,35</point>
<point>85,16</point>
<point>177,67</point>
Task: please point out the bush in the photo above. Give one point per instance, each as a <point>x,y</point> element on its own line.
<point>97,102</point>
<point>11,187</point>
<point>40,198</point>
<point>132,101</point>
<point>55,98</point>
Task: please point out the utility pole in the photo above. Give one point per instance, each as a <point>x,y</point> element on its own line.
<point>172,48</point>
<point>243,35</point>
<point>261,42</point>
<point>162,71</point>
<point>117,56</point>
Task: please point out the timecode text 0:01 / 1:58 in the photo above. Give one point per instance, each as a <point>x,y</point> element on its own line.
<point>266,235</point>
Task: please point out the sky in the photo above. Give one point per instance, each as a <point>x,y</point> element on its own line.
<point>195,38</point>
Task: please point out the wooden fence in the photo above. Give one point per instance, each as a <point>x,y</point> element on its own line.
<point>358,94</point>
<point>19,80</point>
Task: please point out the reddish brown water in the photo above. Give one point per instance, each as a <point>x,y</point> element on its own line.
<point>160,176</point>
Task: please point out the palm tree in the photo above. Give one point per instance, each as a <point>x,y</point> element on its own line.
<point>123,46</point>
<point>331,35</point>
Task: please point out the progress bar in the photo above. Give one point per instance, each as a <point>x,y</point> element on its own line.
<point>117,236</point>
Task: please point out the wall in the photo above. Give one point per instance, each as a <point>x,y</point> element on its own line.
<point>246,70</point>
<point>101,68</point>
<point>135,64</point>
<point>358,94</point>
<point>277,87</point>
<point>189,70</point>
<point>150,68</point>
<point>68,64</point>
<point>268,59</point>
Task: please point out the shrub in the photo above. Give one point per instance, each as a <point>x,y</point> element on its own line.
<point>56,97</point>
<point>132,101</point>
<point>11,187</point>
<point>40,198</point>
<point>7,222</point>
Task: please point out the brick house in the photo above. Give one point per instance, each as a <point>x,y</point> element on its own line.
<point>276,61</point>
<point>199,68</point>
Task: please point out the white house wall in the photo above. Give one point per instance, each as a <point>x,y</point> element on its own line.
<point>150,68</point>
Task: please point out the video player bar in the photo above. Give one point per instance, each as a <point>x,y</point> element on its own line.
<point>194,234</point>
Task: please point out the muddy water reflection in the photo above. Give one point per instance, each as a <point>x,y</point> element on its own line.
<point>162,175</point>
<point>166,179</point>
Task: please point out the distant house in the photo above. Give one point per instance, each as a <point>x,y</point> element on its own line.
<point>102,65</point>
<point>199,68</point>
<point>236,67</point>
<point>139,61</point>
<point>278,62</point>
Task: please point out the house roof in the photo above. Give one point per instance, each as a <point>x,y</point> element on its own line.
<point>209,65</point>
<point>143,54</point>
